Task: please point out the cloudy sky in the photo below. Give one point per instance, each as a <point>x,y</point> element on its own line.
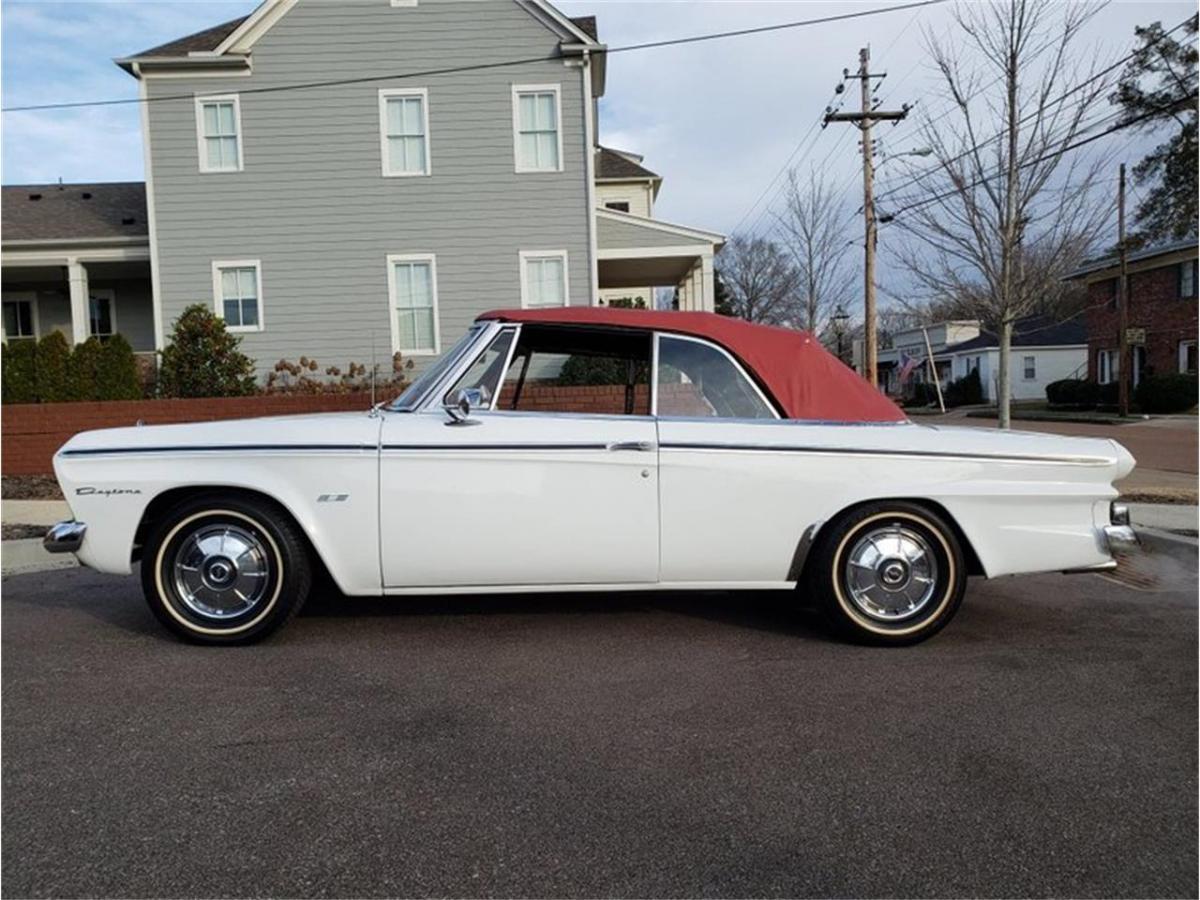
<point>718,120</point>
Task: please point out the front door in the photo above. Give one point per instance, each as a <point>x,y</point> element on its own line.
<point>555,484</point>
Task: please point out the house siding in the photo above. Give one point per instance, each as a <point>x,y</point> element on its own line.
<point>311,202</point>
<point>614,235</point>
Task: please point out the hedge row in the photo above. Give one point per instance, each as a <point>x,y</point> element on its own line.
<point>1155,393</point>
<point>49,371</point>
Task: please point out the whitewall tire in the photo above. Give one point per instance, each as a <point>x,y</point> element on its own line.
<point>889,572</point>
<point>225,569</point>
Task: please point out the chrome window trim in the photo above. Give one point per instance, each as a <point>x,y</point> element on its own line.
<point>512,348</point>
<point>468,353</point>
<point>659,335</point>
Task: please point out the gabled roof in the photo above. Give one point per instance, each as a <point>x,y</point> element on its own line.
<point>620,166</point>
<point>587,24</point>
<point>806,380</point>
<point>72,212</point>
<point>1032,331</point>
<point>238,35</point>
<point>1146,253</point>
<point>202,41</point>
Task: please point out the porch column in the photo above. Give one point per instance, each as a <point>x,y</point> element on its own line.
<point>682,291</point>
<point>708,300</point>
<point>77,280</point>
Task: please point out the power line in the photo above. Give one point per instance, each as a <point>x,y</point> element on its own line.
<point>837,144</point>
<point>1062,97</point>
<point>1074,145</point>
<point>478,67</point>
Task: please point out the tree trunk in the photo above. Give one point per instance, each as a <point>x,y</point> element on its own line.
<point>1003,387</point>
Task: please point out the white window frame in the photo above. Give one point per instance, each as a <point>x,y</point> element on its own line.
<point>517,91</point>
<point>386,94</point>
<point>110,295</point>
<point>393,319</point>
<point>1028,362</point>
<point>628,201</point>
<point>202,145</point>
<point>524,256</point>
<point>1182,356</point>
<point>31,298</point>
<point>1108,364</point>
<point>219,301</point>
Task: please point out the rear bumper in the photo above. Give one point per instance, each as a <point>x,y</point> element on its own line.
<point>64,537</point>
<point>1120,537</point>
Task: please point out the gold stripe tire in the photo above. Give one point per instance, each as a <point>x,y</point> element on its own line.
<point>825,573</point>
<point>289,577</point>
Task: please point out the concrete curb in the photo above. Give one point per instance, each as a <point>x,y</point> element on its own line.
<point>28,555</point>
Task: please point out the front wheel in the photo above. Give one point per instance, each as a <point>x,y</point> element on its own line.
<point>888,573</point>
<point>225,569</point>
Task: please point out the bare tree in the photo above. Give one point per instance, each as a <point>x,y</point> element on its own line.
<point>815,226</point>
<point>1017,208</point>
<point>759,279</point>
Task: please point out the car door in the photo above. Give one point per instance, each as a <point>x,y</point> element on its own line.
<point>731,508</point>
<point>554,482</point>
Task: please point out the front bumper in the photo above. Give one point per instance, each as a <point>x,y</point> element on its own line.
<point>64,537</point>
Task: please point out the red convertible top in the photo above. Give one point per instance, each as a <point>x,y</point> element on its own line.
<point>806,380</point>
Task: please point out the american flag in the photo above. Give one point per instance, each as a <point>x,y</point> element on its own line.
<point>907,365</point>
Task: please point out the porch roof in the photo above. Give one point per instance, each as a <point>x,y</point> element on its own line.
<point>62,213</point>
<point>634,251</point>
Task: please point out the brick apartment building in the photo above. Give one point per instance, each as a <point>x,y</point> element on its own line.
<point>1162,301</point>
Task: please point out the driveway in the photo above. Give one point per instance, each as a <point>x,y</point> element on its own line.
<point>690,745</point>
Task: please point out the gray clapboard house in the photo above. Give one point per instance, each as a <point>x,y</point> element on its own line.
<point>334,176</point>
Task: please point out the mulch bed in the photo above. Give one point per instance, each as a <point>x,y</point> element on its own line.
<point>19,532</point>
<point>29,487</point>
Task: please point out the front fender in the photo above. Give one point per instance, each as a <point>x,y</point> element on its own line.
<point>333,498</point>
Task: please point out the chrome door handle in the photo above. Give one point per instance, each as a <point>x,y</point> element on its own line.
<point>640,446</point>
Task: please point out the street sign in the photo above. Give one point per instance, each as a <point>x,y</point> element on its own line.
<point>1135,335</point>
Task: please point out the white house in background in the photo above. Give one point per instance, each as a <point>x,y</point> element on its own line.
<point>1043,350</point>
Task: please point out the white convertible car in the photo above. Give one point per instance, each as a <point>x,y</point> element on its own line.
<point>592,449</point>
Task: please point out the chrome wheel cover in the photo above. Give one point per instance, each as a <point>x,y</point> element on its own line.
<point>221,571</point>
<point>891,573</point>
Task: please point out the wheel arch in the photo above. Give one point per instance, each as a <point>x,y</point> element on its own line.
<point>812,534</point>
<point>163,502</point>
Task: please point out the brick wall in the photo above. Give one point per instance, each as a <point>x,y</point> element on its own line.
<point>1156,306</point>
<point>31,433</point>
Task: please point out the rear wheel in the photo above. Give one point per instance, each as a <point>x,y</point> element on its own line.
<point>225,569</point>
<point>888,573</point>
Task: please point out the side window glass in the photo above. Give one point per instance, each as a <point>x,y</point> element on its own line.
<point>578,372</point>
<point>697,380</point>
<point>485,372</point>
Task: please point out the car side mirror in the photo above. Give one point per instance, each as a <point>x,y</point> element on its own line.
<point>465,400</point>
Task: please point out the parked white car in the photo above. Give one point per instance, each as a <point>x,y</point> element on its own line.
<point>592,449</point>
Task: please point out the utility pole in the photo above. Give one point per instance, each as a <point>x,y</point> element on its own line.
<point>864,120</point>
<point>1124,362</point>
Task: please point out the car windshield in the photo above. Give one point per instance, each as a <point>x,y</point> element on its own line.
<point>414,393</point>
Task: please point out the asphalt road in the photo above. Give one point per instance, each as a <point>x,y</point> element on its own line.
<point>694,745</point>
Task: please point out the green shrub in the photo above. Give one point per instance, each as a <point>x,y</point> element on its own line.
<point>203,359</point>
<point>83,368</point>
<point>965,391</point>
<point>1076,392</point>
<point>117,372</point>
<point>52,359</point>
<point>19,383</point>
<point>1166,393</point>
<point>923,394</point>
